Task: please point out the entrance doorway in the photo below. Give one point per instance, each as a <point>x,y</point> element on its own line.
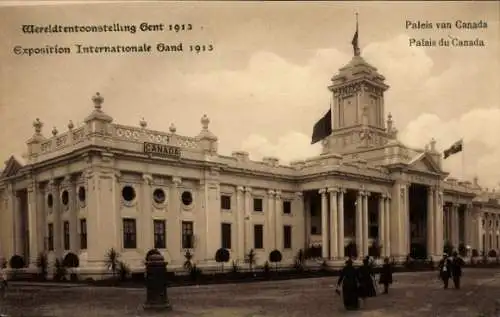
<point>418,221</point>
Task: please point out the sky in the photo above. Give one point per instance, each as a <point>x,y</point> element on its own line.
<point>265,83</point>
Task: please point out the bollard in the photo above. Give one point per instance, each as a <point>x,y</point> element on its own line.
<point>156,284</point>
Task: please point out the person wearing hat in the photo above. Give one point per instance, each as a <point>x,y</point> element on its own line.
<point>386,275</point>
<point>456,269</point>
<point>445,270</point>
<point>349,280</point>
<point>366,275</point>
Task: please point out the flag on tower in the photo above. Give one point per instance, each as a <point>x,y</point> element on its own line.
<point>354,42</point>
<point>455,148</point>
<point>322,128</point>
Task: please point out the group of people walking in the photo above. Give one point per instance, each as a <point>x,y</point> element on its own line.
<point>359,283</point>
<point>451,267</point>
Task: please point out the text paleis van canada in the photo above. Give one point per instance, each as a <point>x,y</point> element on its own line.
<point>458,24</point>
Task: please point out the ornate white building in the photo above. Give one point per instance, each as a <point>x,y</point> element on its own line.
<point>105,185</point>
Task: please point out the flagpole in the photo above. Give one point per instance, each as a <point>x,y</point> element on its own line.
<point>463,161</point>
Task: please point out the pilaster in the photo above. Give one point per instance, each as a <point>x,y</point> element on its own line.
<point>278,221</point>
<point>299,239</point>
<point>334,243</point>
<point>174,235</point>
<point>324,223</point>
<point>56,211</point>
<point>248,220</point>
<point>146,236</point>
<point>240,220</point>
<point>270,241</point>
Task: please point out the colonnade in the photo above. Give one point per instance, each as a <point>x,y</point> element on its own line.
<point>332,223</point>
<point>491,231</point>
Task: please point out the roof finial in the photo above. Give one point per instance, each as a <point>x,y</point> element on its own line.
<point>355,44</point>
<point>143,123</point>
<point>38,125</point>
<point>98,100</point>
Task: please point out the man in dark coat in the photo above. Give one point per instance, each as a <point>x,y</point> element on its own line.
<point>349,280</point>
<point>456,269</point>
<point>445,270</point>
<point>366,275</point>
<point>386,275</point>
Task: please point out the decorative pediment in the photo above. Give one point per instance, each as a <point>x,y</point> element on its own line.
<point>424,162</point>
<point>12,166</point>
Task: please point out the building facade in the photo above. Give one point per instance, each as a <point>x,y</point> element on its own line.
<point>104,185</point>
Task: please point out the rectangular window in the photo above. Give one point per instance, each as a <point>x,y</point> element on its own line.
<point>129,233</point>
<point>257,204</point>
<point>258,236</point>
<point>287,207</point>
<point>160,238</point>
<point>287,237</point>
<point>66,235</point>
<point>225,202</point>
<point>226,235</point>
<point>83,234</point>
<point>50,238</point>
<point>187,235</point>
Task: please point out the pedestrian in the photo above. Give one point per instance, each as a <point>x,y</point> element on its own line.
<point>366,275</point>
<point>386,275</point>
<point>445,270</point>
<point>3,282</point>
<point>456,269</point>
<point>350,283</point>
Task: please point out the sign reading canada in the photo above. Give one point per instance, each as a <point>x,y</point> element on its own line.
<point>162,150</point>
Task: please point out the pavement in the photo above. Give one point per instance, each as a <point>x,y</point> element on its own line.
<point>412,294</point>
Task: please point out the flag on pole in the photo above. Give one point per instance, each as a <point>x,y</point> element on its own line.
<point>322,128</point>
<point>354,42</point>
<point>455,148</point>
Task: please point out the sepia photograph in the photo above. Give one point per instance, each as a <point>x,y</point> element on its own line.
<point>249,158</point>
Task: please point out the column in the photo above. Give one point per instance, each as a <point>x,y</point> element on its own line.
<point>18,234</point>
<point>248,220</point>
<point>307,221</point>
<point>365,223</point>
<point>240,221</point>
<point>479,237</point>
<point>454,225</point>
<point>33,193</point>
<point>324,224</point>
<point>387,215</point>
<point>334,244</point>
<point>269,245</point>
<point>359,224</point>
<point>278,222</point>
<point>438,200</point>
<point>430,222</point>
<point>381,223</point>
<point>340,231</point>
<point>468,225</point>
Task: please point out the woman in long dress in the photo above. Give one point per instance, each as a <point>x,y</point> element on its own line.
<point>349,280</point>
<point>366,275</point>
